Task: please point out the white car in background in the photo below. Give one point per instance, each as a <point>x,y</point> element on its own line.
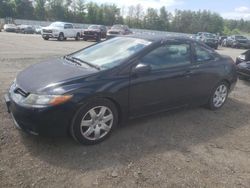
<point>10,27</point>
<point>38,29</point>
<point>61,31</point>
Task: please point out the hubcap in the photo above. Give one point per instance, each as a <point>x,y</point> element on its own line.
<point>96,123</point>
<point>220,96</point>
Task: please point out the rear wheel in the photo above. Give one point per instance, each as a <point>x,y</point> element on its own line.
<point>94,122</point>
<point>60,37</point>
<point>219,96</point>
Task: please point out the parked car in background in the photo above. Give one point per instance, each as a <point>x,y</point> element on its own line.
<point>61,31</point>
<point>221,38</point>
<point>1,26</point>
<point>96,32</point>
<point>87,93</point>
<point>209,39</point>
<point>225,42</point>
<point>38,29</point>
<point>245,56</point>
<point>25,29</point>
<point>243,65</point>
<point>238,41</point>
<point>9,27</point>
<point>117,30</point>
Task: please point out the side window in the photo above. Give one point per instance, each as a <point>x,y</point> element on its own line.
<point>68,26</point>
<point>167,56</point>
<point>202,55</point>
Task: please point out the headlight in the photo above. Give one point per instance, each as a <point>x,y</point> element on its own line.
<point>242,57</point>
<point>45,100</point>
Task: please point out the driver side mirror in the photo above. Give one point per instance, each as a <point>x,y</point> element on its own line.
<point>141,69</point>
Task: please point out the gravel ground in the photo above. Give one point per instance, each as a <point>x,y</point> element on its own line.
<point>187,148</point>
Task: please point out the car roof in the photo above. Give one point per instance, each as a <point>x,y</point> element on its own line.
<point>62,22</point>
<point>160,37</point>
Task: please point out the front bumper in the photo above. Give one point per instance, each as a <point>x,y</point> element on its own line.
<point>50,35</point>
<point>48,121</point>
<point>90,36</point>
<point>245,72</point>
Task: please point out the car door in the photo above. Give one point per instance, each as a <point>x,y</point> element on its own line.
<point>68,30</point>
<point>205,73</point>
<point>166,84</point>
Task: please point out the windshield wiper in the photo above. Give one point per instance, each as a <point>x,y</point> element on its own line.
<point>89,64</point>
<point>72,60</point>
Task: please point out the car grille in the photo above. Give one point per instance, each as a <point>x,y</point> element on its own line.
<point>17,93</point>
<point>113,32</point>
<point>88,32</point>
<point>21,92</point>
<point>47,31</point>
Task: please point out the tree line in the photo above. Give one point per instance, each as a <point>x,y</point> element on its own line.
<point>79,11</point>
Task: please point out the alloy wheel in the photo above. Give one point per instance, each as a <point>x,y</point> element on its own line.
<point>97,123</point>
<point>220,95</point>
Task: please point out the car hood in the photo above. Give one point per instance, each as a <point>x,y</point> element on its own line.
<point>46,75</point>
<point>50,28</point>
<point>116,30</point>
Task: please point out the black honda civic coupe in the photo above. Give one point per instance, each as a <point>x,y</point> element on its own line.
<point>89,92</point>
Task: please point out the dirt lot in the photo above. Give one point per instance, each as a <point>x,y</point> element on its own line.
<point>188,148</point>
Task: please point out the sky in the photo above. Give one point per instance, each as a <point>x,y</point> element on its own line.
<point>230,9</point>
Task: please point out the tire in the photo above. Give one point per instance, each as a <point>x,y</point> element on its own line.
<point>60,37</point>
<point>98,39</point>
<point>46,38</point>
<point>218,96</point>
<point>100,117</point>
<point>77,37</point>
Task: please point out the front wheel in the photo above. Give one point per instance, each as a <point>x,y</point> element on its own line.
<point>46,38</point>
<point>98,39</point>
<point>219,96</point>
<point>94,122</point>
<point>77,36</point>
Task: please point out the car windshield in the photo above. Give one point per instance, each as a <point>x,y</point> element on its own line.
<point>209,35</point>
<point>10,25</point>
<point>112,52</point>
<point>94,27</point>
<point>57,24</point>
<point>240,37</point>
